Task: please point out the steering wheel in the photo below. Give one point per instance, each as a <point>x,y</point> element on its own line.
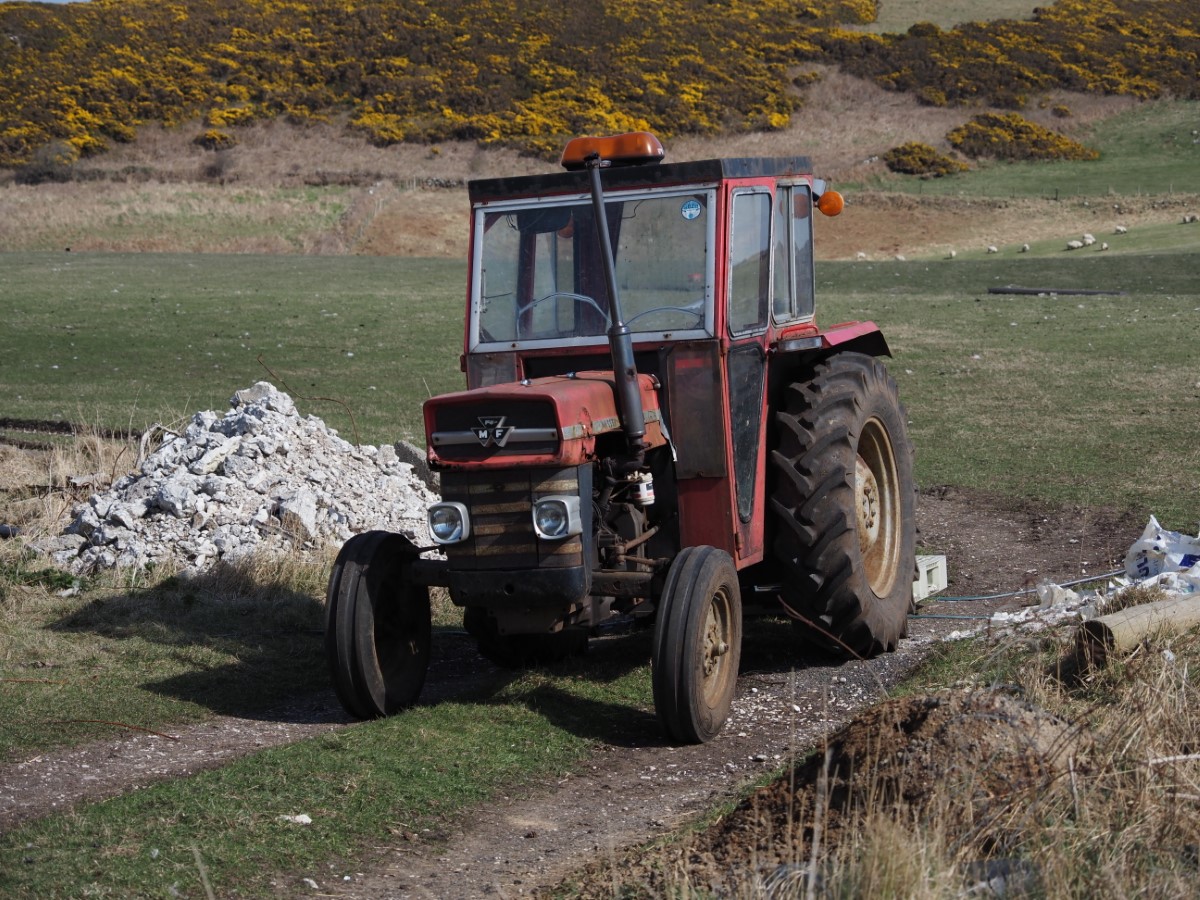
<point>581,299</point>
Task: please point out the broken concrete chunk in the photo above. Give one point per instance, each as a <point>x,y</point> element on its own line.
<point>298,515</point>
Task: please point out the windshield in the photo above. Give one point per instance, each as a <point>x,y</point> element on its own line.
<point>541,276</point>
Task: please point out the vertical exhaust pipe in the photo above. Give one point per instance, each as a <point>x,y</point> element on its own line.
<point>620,338</point>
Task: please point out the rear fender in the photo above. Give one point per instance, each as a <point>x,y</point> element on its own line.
<point>859,337</point>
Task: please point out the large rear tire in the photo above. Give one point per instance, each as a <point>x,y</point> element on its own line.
<point>697,645</point>
<point>843,505</point>
<point>377,626</point>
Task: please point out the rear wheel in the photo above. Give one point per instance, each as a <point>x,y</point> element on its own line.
<point>377,626</point>
<point>843,503</point>
<point>697,645</point>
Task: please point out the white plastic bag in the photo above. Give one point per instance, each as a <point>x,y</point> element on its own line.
<point>1158,551</point>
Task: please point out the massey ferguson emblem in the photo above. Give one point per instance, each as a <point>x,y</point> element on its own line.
<point>492,431</point>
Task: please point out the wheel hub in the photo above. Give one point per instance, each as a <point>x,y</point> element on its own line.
<point>714,646</point>
<point>867,505</point>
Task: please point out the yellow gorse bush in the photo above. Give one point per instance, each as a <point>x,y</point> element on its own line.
<point>532,74</point>
<point>1012,136</point>
<point>1134,47</point>
<point>915,158</point>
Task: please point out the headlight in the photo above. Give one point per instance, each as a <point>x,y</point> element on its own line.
<point>555,518</point>
<point>449,523</point>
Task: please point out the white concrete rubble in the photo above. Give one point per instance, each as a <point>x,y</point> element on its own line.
<point>258,477</point>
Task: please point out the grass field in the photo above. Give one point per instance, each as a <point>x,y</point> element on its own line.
<point>1083,400</point>
<point>125,340</point>
<point>899,15</point>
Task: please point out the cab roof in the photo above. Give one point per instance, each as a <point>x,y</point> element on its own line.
<point>705,171</point>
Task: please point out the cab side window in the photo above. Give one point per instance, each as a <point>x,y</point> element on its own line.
<point>792,254</point>
<point>749,262</point>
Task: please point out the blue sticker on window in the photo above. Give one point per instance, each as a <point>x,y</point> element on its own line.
<point>690,209</point>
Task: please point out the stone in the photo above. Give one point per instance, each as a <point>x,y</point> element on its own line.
<point>175,499</point>
<point>86,522</point>
<point>214,456</point>
<point>298,515</point>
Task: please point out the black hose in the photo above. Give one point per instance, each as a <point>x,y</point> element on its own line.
<point>9,531</point>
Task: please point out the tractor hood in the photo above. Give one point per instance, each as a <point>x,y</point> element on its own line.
<point>543,421</point>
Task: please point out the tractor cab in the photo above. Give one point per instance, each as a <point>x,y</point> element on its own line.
<point>653,424</point>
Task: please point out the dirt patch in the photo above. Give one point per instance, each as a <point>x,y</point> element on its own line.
<point>637,787</point>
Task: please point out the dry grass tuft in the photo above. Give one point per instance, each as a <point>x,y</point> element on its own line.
<point>39,488</point>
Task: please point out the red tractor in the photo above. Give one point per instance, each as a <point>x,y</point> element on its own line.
<point>653,426</point>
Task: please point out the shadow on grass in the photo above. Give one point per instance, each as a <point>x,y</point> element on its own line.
<point>232,640</point>
<point>250,643</point>
<point>619,711</point>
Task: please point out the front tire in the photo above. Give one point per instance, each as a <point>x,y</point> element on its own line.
<point>697,645</point>
<point>843,504</point>
<point>378,632</point>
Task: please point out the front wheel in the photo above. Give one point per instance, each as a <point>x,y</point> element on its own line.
<point>377,626</point>
<point>697,645</point>
<point>843,505</point>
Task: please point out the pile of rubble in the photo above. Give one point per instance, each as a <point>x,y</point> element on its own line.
<point>258,477</point>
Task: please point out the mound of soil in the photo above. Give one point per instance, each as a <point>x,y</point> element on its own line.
<point>954,760</point>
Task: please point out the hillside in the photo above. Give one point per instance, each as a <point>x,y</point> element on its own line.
<point>265,112</point>
<point>76,80</point>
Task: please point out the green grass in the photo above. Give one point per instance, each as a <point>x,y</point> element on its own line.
<point>1065,400</point>
<point>174,651</point>
<point>127,339</point>
<point>410,774</point>
<point>1149,150</point>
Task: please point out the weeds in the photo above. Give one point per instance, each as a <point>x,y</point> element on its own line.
<point>1062,787</point>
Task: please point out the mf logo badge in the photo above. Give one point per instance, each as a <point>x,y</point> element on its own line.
<point>493,431</point>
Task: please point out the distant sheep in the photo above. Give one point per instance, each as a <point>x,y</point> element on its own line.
<point>1024,248</point>
<point>1088,240</point>
<point>951,254</point>
<point>1120,229</point>
<point>992,248</point>
<point>1188,218</point>
<point>860,255</point>
<point>1074,245</point>
<point>1104,245</point>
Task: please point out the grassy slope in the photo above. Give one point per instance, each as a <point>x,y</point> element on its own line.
<point>1151,149</point>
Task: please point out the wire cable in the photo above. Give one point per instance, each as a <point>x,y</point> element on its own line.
<point>1031,590</point>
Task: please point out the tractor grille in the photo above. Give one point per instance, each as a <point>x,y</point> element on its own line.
<point>473,432</point>
<point>500,503</point>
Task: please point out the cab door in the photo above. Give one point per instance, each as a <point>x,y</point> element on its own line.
<point>748,292</point>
